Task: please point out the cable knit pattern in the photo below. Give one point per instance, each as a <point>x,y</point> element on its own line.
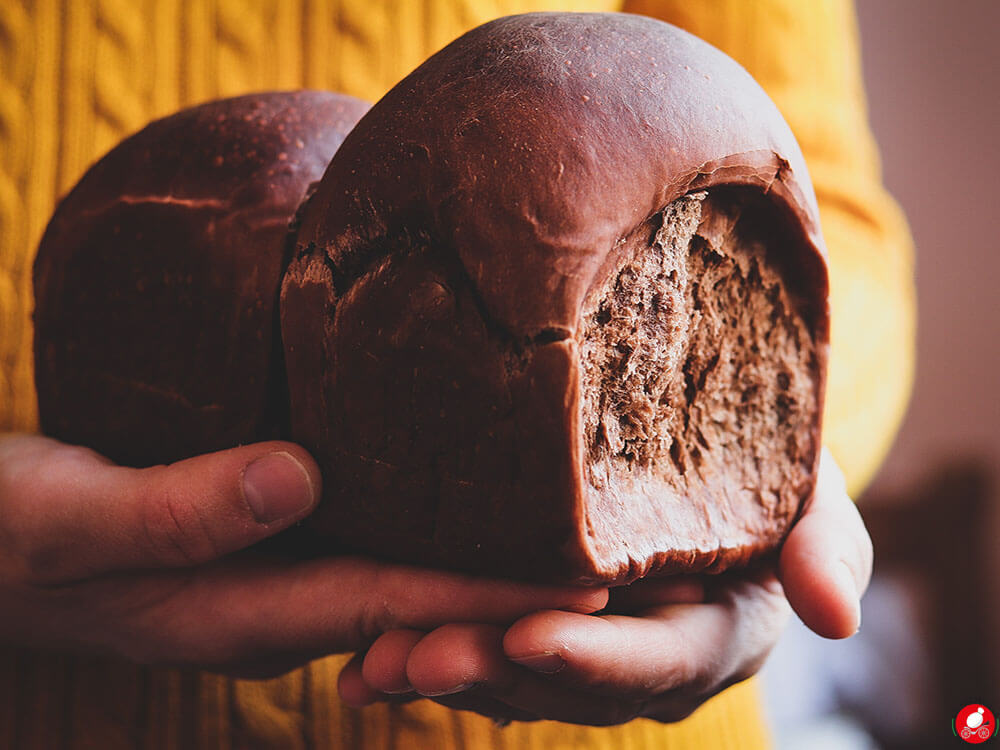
<point>121,88</point>
<point>77,75</point>
<point>16,56</point>
<point>242,52</point>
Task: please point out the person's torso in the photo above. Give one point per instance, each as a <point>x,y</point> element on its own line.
<point>75,77</point>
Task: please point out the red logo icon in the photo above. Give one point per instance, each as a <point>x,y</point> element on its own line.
<point>974,724</point>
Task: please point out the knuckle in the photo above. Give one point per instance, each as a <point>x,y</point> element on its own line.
<point>677,709</point>
<point>677,705</point>
<point>627,711</point>
<point>703,683</point>
<point>377,614</point>
<point>745,671</point>
<point>175,531</point>
<point>698,679</point>
<point>374,619</point>
<point>615,712</point>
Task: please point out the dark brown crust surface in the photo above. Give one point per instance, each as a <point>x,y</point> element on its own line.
<point>156,281</point>
<point>452,243</point>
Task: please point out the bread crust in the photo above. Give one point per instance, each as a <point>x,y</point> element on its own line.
<point>156,281</point>
<point>451,245</point>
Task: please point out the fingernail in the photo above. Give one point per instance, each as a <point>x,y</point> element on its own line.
<point>277,486</point>
<point>402,691</point>
<point>546,662</point>
<point>450,691</point>
<point>848,588</point>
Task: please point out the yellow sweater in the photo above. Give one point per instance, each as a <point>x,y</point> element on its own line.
<point>77,75</point>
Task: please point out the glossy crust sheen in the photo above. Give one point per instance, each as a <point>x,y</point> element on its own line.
<point>451,245</point>
<point>157,279</point>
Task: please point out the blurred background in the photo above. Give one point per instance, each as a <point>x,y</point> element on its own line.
<point>930,643</point>
<point>933,74</point>
<point>931,637</point>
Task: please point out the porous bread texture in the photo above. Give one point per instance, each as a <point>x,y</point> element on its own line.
<point>698,373</point>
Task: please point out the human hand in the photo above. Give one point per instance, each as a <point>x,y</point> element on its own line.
<point>661,649</point>
<point>146,564</point>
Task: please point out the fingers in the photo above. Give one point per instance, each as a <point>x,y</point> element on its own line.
<point>244,609</point>
<point>140,549</point>
<point>589,670</point>
<point>70,514</point>
<point>668,647</point>
<point>359,685</point>
<point>354,689</point>
<point>826,561</point>
<point>384,667</point>
<point>197,510</point>
<point>464,666</point>
<point>393,596</point>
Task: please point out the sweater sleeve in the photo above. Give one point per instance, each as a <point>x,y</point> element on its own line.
<point>806,56</point>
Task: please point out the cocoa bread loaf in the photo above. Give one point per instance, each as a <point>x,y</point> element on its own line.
<point>558,310</point>
<point>156,282</point>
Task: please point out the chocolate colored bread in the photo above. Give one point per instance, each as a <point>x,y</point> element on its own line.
<point>157,279</point>
<point>558,309</point>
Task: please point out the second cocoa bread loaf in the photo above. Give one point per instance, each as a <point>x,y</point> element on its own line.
<point>558,310</point>
<point>156,282</point>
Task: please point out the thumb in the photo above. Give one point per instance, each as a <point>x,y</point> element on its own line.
<point>826,562</point>
<point>70,514</point>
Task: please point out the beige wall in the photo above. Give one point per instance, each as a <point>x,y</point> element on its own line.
<point>932,69</point>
